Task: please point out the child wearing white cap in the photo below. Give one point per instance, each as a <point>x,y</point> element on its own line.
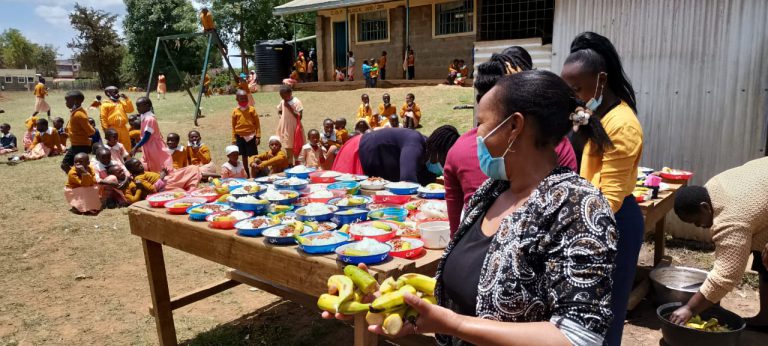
<point>233,168</point>
<point>272,161</point>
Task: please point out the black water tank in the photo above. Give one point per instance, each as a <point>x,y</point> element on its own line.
<point>273,61</point>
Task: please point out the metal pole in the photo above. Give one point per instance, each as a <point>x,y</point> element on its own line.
<point>178,74</point>
<point>202,78</point>
<point>152,69</point>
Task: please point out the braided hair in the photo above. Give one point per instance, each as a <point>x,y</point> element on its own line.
<point>440,141</point>
<point>489,72</point>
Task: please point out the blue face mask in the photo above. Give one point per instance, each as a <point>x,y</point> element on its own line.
<point>436,168</point>
<point>595,101</point>
<point>493,167</point>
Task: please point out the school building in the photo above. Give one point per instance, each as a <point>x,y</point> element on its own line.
<point>17,79</point>
<point>438,31</point>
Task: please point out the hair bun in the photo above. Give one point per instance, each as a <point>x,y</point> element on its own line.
<point>580,117</point>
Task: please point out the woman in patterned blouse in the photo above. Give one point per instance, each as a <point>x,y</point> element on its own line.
<point>531,262</point>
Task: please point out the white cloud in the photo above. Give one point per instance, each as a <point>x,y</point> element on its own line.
<point>55,15</point>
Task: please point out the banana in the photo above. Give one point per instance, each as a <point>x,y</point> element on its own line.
<point>393,323</point>
<point>361,278</point>
<point>333,304</point>
<point>422,283</point>
<point>344,229</point>
<point>374,318</point>
<point>430,299</point>
<point>387,286</point>
<point>216,182</point>
<point>389,301</point>
<point>411,315</point>
<point>359,296</point>
<point>223,198</point>
<point>313,225</point>
<point>344,286</point>
<point>408,288</point>
<point>327,302</point>
<point>298,226</point>
<point>353,308</point>
<point>381,225</point>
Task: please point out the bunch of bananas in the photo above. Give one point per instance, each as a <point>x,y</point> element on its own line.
<point>346,292</point>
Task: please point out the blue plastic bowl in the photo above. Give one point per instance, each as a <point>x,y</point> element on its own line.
<point>318,218</point>
<point>358,215</point>
<point>234,183</point>
<point>322,249</point>
<point>350,187</point>
<point>244,228</point>
<point>403,191</point>
<point>369,259</point>
<point>297,187</point>
<point>432,195</point>
<point>201,217</point>
<point>276,240</point>
<point>301,175</point>
<point>262,190</point>
<point>287,201</point>
<point>394,214</point>
<point>367,200</point>
<point>257,209</point>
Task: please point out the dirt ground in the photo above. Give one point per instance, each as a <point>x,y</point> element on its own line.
<point>68,279</point>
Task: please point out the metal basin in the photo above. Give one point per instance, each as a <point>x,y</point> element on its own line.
<point>675,335</point>
<point>675,284</point>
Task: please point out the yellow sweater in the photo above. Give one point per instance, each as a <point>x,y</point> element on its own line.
<point>74,181</point>
<point>79,129</point>
<point>199,156</point>
<point>207,21</point>
<point>245,123</point>
<point>50,139</point>
<point>40,90</point>
<point>180,157</point>
<point>387,111</point>
<point>276,163</point>
<point>342,135</point>
<point>740,224</point>
<point>615,171</point>
<point>366,113</point>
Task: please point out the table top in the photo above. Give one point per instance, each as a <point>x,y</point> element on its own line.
<point>663,195</point>
<point>287,266</point>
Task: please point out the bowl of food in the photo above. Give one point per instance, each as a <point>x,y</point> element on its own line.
<point>207,192</point>
<point>201,211</point>
<point>366,251</point>
<point>323,196</point>
<point>227,219</point>
<point>270,179</point>
<point>159,199</point>
<point>386,197</point>
<point>323,177</point>
<point>300,171</point>
<point>254,226</point>
<point>293,183</point>
<point>713,327</point>
<point>284,197</point>
<point>406,247</point>
<point>322,226</point>
<point>321,242</point>
<point>376,230</point>
<point>675,174</point>
<point>249,203</point>
<point>402,188</point>
<point>316,212</point>
<point>351,177</point>
<point>232,183</point>
<point>284,234</point>
<point>392,214</point>
<point>676,284</point>
<point>408,230</point>
<point>249,189</point>
<point>348,187</point>
<point>345,217</point>
<point>180,206</point>
<point>374,183</point>
<point>425,210</point>
<point>350,202</point>
<point>432,191</point>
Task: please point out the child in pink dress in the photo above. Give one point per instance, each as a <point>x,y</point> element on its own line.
<point>155,157</point>
<point>233,168</point>
<point>116,149</point>
<point>289,126</point>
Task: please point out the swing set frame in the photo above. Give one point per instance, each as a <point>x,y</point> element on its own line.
<point>211,42</point>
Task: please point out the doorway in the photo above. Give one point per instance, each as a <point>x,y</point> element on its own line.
<point>340,44</point>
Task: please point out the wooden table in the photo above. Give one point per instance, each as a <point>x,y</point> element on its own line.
<point>285,271</point>
<point>655,212</point>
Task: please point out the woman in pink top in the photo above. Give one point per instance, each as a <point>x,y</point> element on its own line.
<point>155,155</point>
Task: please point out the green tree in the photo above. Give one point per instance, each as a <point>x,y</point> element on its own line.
<point>16,51</point>
<point>45,60</point>
<point>148,19</point>
<point>97,45</point>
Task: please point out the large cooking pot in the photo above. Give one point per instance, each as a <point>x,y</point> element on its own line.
<point>675,335</point>
<point>676,284</point>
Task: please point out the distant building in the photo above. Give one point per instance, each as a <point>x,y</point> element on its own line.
<point>17,79</point>
<point>67,69</point>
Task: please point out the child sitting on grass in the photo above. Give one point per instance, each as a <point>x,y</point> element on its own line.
<point>199,154</point>
<point>330,142</point>
<point>341,130</point>
<point>81,190</point>
<point>7,139</point>
<point>110,185</point>
<point>233,168</point>
<point>365,112</point>
<point>29,136</point>
<point>117,149</point>
<point>386,109</point>
<point>361,127</point>
<point>46,143</point>
<point>393,121</point>
<point>96,137</point>
<point>313,154</point>
<point>178,152</point>
<point>135,132</point>
<point>410,113</point>
<point>272,161</point>
<point>143,183</point>
<point>58,124</point>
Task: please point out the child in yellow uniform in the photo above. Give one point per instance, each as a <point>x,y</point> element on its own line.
<point>178,152</point>
<point>143,183</point>
<point>29,136</point>
<point>79,130</point>
<point>341,130</point>
<point>272,161</point>
<point>58,125</point>
<point>386,109</point>
<point>365,112</point>
<point>41,91</point>
<point>46,142</point>
<point>135,132</point>
<point>246,129</point>
<point>114,114</point>
<point>410,113</point>
<point>199,154</point>
<point>81,190</point>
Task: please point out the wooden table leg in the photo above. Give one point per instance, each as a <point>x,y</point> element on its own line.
<point>158,287</point>
<point>362,336</point>
<point>659,240</point>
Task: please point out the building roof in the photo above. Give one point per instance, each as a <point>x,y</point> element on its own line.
<point>301,6</point>
<point>17,72</point>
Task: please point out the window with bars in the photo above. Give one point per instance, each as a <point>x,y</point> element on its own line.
<point>8,79</point>
<point>455,17</point>
<point>514,19</point>
<point>373,26</point>
<point>21,80</point>
<point>30,80</point>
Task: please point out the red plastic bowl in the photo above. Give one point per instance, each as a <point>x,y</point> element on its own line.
<point>161,203</point>
<point>225,224</point>
<point>391,199</point>
<point>415,251</point>
<point>381,238</point>
<point>183,210</point>
<point>315,178</point>
<point>682,175</point>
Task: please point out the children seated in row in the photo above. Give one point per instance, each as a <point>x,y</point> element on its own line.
<point>341,130</point>
<point>135,132</point>
<point>246,129</point>
<point>29,135</point>
<point>272,161</point>
<point>142,184</point>
<point>410,112</point>
<point>46,143</point>
<point>365,112</point>
<point>315,155</point>
<point>8,143</point>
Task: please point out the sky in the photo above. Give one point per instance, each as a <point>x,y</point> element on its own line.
<point>47,21</point>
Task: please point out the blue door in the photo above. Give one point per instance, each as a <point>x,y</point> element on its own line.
<point>340,44</point>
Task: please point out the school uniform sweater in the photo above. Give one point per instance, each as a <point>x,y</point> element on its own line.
<point>79,129</point>
<point>245,122</point>
<point>74,181</point>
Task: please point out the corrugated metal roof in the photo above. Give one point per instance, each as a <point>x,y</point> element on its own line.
<point>699,68</point>
<point>300,6</point>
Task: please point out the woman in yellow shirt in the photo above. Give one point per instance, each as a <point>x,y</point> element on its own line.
<point>114,114</point>
<point>614,144</point>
